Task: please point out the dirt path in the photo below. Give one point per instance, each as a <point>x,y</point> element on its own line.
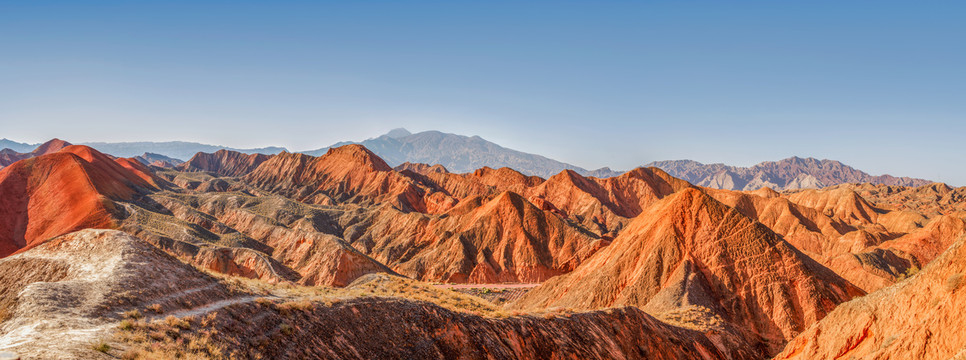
<point>204,309</point>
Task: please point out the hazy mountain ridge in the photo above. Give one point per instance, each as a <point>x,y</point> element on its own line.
<point>787,174</point>
<point>178,150</point>
<point>17,146</point>
<point>460,153</point>
<point>181,150</point>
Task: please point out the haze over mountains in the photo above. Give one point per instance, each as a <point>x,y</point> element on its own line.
<point>788,174</point>
<point>180,150</point>
<point>461,154</point>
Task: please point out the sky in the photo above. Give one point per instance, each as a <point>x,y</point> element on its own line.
<point>879,85</point>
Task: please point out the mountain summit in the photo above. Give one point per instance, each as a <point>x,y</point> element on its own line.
<point>460,154</point>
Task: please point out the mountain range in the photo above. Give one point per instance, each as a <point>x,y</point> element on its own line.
<point>233,255</point>
<point>787,174</point>
<point>462,154</point>
<point>178,150</point>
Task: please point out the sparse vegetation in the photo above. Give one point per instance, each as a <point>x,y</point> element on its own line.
<point>180,323</point>
<point>910,272</point>
<point>101,346</point>
<point>286,329</point>
<point>693,317</point>
<point>264,301</point>
<point>288,307</point>
<point>132,314</point>
<point>156,308</point>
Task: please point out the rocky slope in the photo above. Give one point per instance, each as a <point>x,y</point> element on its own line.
<point>69,292</point>
<point>106,287</point>
<point>787,174</point>
<point>918,318</point>
<point>690,250</point>
<point>64,191</point>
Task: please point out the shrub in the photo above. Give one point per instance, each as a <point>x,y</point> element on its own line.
<point>209,319</point>
<point>101,346</point>
<point>286,329</point>
<point>156,308</point>
<point>183,324</point>
<point>133,314</point>
<point>131,354</point>
<point>263,301</point>
<point>289,306</point>
<point>127,324</point>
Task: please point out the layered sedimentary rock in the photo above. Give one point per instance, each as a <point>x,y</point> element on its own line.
<point>224,162</point>
<point>65,294</point>
<point>68,190</point>
<point>691,250</point>
<point>919,318</point>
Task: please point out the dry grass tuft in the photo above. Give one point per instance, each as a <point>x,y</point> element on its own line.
<point>132,314</point>
<point>101,346</point>
<point>954,282</point>
<point>156,308</point>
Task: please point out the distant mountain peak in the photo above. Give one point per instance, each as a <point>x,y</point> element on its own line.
<point>398,133</point>
<point>786,174</point>
<point>459,153</point>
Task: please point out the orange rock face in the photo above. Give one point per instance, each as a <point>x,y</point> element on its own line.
<point>347,174</point>
<point>919,318</point>
<point>224,163</point>
<point>54,194</point>
<point>691,250</point>
<point>503,239</point>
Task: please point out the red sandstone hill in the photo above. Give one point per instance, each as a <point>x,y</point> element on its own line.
<point>691,250</point>
<point>61,192</point>
<point>503,239</point>
<point>481,182</point>
<point>8,157</point>
<point>929,200</point>
<point>604,205</point>
<point>347,174</point>
<point>224,162</point>
<point>919,318</point>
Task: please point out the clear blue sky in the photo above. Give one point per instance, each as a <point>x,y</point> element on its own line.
<point>880,85</point>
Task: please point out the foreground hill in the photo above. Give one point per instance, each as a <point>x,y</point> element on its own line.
<point>788,174</point>
<point>105,294</point>
<point>67,293</point>
<point>460,153</point>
